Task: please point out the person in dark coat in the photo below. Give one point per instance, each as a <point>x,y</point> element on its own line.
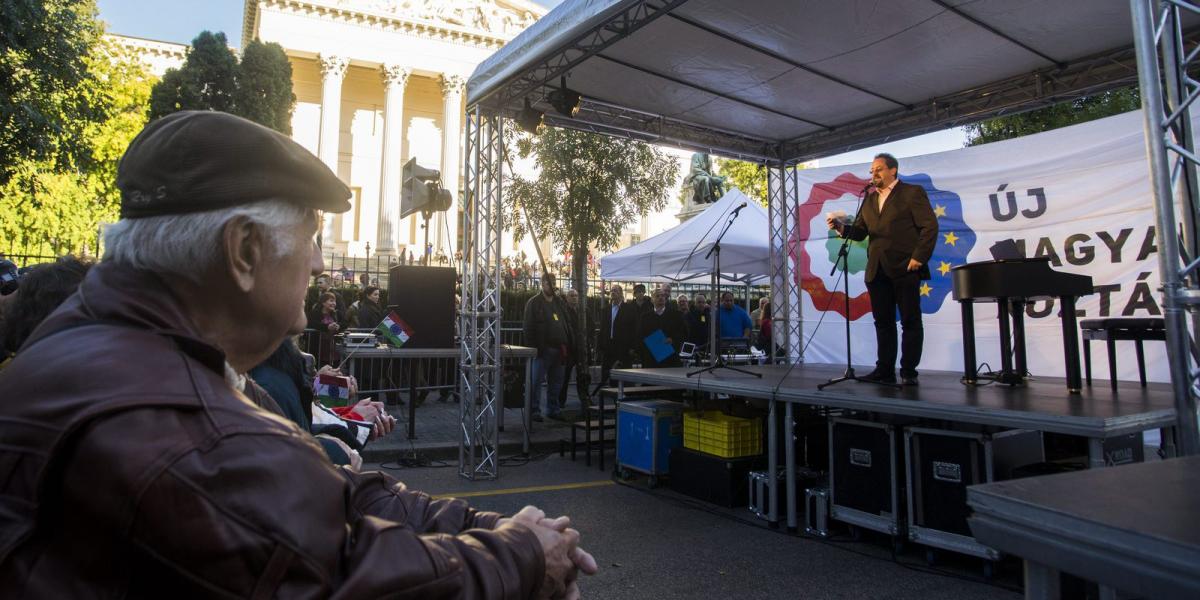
<point>138,462</point>
<point>370,311</point>
<point>903,229</point>
<point>618,333</point>
<point>699,320</point>
<point>660,317</point>
<point>548,329</point>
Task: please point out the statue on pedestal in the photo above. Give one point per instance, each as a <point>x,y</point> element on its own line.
<point>706,187</point>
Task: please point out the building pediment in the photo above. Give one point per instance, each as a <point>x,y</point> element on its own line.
<point>503,19</point>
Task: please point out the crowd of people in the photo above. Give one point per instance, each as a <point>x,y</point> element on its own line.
<point>142,456</point>
<point>643,330</point>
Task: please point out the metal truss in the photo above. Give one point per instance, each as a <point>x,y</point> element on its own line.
<point>479,313</point>
<point>604,34</point>
<point>1028,91</point>
<point>787,325</point>
<point>1168,92</point>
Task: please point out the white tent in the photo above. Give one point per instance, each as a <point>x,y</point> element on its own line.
<point>677,254</point>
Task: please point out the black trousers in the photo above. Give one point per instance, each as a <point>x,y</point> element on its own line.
<point>888,295</point>
<point>616,357</point>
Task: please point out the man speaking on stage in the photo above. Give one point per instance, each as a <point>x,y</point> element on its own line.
<point>900,222</point>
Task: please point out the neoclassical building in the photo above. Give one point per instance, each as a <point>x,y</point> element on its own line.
<point>378,82</point>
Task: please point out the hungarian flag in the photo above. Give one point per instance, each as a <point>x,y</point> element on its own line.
<point>332,390</point>
<point>395,329</point>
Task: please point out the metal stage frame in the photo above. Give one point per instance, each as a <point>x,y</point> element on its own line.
<point>1167,94</point>
<point>479,312</point>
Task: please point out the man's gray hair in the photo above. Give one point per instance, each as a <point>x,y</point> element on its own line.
<point>188,245</point>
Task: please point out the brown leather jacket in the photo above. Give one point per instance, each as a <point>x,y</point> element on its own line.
<point>130,468</point>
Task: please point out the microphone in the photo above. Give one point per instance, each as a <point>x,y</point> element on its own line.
<point>739,208</point>
<point>867,187</point>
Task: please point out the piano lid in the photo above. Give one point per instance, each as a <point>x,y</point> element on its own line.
<point>1029,278</point>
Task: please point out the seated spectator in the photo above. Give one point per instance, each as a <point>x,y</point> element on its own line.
<point>41,290</point>
<point>284,376</point>
<point>134,439</point>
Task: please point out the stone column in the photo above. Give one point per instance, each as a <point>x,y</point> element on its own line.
<point>395,78</point>
<point>452,110</point>
<point>333,70</point>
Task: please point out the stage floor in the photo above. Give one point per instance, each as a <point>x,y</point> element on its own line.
<point>1044,404</point>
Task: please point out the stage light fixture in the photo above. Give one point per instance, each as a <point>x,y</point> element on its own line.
<point>530,118</point>
<point>564,100</point>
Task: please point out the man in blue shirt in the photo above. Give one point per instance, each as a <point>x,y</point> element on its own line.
<point>734,320</point>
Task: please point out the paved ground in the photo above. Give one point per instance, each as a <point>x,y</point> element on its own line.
<point>438,431</point>
<point>658,544</point>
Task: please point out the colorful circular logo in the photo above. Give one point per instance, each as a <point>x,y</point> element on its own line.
<point>953,244</point>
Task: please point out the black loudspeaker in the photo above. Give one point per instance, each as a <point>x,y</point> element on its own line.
<point>424,298</point>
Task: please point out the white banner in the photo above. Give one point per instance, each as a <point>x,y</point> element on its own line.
<point>1079,195</point>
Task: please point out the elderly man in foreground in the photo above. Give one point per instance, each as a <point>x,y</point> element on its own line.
<point>135,462</point>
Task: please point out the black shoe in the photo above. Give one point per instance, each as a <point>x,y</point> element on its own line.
<point>878,376</point>
<point>537,418</point>
<point>908,379</point>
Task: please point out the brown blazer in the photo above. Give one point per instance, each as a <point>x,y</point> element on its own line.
<point>906,229</point>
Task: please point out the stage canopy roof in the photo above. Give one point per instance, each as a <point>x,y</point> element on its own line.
<point>791,80</point>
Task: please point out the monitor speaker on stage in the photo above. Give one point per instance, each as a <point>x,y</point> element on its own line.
<point>424,298</point>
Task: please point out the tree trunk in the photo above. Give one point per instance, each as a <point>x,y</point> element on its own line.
<point>583,338</point>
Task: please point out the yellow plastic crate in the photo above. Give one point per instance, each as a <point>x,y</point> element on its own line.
<point>714,432</point>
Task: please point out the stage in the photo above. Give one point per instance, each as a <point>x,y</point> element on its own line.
<point>1097,413</point>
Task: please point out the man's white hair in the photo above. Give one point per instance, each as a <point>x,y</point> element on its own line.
<point>188,245</point>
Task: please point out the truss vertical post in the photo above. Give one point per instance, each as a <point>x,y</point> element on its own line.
<point>479,311</point>
<point>1156,26</point>
<point>785,306</point>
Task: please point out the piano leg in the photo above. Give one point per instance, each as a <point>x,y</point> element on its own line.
<point>1018,319</point>
<point>970,367</point>
<point>1070,327</point>
<point>1006,366</point>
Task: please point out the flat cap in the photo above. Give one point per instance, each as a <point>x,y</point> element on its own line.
<point>194,161</point>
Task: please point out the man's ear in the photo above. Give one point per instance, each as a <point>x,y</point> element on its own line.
<point>244,244</point>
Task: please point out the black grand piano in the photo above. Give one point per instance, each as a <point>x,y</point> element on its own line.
<point>1011,284</point>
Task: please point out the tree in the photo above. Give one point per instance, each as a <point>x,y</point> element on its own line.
<point>50,207</point>
<point>206,81</point>
<point>258,88</point>
<point>750,178</point>
<point>264,88</point>
<point>589,187</point>
<point>44,51</point>
<point>1063,114</point>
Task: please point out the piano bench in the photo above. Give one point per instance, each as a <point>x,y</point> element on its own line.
<point>1112,329</point>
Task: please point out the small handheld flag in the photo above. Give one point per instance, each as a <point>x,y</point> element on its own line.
<point>395,329</point>
<point>332,390</point>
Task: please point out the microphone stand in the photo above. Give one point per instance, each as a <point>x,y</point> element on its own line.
<point>843,257</point>
<point>714,340</point>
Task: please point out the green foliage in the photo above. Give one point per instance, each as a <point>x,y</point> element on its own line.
<point>45,47</point>
<point>590,187</point>
<point>56,207</point>
<point>264,91</point>
<point>1052,117</point>
<point>750,178</point>
<point>258,88</point>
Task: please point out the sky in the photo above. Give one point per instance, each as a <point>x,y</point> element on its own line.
<point>161,20</point>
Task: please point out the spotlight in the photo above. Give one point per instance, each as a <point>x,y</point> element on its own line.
<point>529,119</point>
<point>564,100</point>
